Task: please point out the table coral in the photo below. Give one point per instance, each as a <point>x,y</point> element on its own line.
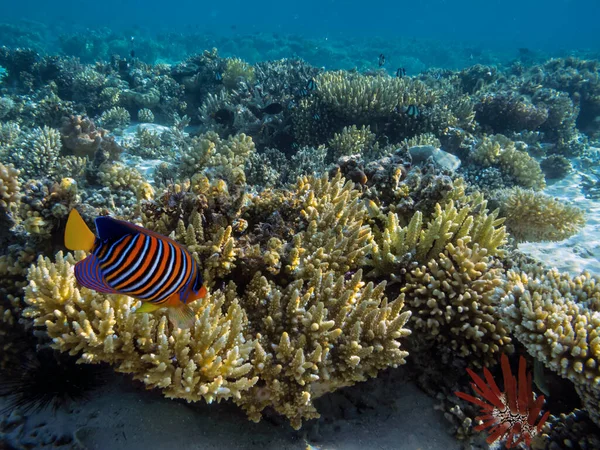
<point>532,216</point>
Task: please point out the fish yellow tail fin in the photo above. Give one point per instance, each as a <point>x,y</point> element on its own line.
<point>78,236</point>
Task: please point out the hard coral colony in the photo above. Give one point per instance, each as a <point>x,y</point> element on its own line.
<point>274,232</point>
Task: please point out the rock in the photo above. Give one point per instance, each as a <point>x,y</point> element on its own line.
<point>421,153</point>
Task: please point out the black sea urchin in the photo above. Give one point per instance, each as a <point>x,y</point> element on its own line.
<point>48,379</point>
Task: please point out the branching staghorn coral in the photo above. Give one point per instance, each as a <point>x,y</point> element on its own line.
<point>118,176</point>
<point>532,216</point>
<point>501,152</point>
<point>397,246</point>
<point>557,318</point>
<point>272,341</point>
<point>117,117</point>
<point>237,70</point>
<point>209,360</point>
<point>448,274</point>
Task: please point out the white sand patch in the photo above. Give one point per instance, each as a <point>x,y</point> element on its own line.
<point>582,251</point>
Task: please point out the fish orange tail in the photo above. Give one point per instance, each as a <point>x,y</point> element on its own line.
<point>78,235</point>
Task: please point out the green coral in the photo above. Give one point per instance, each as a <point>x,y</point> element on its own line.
<point>237,70</point>
<point>145,115</point>
<point>36,153</point>
<point>216,157</point>
<point>397,246</point>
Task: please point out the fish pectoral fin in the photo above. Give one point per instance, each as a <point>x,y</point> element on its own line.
<point>182,316</point>
<point>148,308</point>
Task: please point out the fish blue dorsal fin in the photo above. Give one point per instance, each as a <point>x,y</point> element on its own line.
<point>109,228</point>
<point>112,229</point>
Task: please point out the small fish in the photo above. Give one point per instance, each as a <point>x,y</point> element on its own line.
<point>224,116</point>
<point>132,53</point>
<point>273,108</point>
<point>401,72</point>
<point>311,85</point>
<point>381,59</point>
<point>316,116</point>
<point>539,377</point>
<point>218,76</point>
<point>292,104</point>
<point>412,111</point>
<point>130,260</point>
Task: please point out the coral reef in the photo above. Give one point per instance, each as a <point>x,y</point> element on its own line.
<point>340,217</point>
<point>114,118</point>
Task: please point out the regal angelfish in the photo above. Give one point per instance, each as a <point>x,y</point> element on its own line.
<point>130,260</point>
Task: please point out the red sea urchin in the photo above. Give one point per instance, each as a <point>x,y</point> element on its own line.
<point>510,415</point>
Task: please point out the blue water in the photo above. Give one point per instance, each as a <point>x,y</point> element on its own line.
<point>549,25</point>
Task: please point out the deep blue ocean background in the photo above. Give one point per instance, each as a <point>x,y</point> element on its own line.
<point>552,25</point>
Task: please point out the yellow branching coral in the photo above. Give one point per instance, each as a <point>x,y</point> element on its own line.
<point>9,185</point>
<point>336,235</point>
<point>362,97</point>
<point>533,216</point>
<point>453,303</point>
<point>557,318</point>
<point>318,335</point>
<point>296,322</point>
<point>397,246</point>
<point>423,139</point>
<point>501,152</point>
<point>209,360</point>
<point>36,153</point>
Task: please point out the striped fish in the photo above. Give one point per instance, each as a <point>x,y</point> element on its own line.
<point>131,260</point>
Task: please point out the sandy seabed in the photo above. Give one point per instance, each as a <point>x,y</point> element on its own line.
<point>382,413</point>
<point>580,252</point>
